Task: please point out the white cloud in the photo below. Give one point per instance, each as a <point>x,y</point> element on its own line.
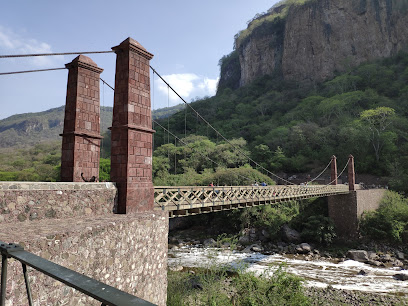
<point>187,85</point>
<point>13,43</point>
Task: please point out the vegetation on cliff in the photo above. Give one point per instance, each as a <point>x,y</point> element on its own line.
<point>263,22</point>
<point>297,129</point>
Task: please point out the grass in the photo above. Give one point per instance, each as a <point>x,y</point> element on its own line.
<point>219,286</point>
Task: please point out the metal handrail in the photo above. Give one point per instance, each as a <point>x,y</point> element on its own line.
<point>104,293</point>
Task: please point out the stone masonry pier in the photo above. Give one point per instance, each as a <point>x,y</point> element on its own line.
<point>347,209</point>
<point>73,224</point>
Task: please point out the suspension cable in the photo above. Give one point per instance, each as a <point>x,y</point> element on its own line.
<point>107,84</point>
<point>218,133</point>
<point>28,71</point>
<point>203,155</point>
<point>52,54</point>
<point>340,173</point>
<point>321,173</point>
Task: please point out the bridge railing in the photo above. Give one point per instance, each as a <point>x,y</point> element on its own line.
<point>99,291</point>
<point>188,199</point>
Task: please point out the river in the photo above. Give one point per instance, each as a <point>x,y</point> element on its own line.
<point>320,273</point>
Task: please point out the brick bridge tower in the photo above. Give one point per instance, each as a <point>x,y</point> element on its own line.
<point>81,136</point>
<point>132,134</point>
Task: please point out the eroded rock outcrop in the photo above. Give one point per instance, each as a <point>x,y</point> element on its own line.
<point>310,42</point>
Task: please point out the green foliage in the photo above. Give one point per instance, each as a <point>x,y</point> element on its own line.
<point>266,20</point>
<point>270,217</point>
<point>290,128</point>
<point>389,221</point>
<point>280,289</point>
<point>215,287</point>
<point>319,229</point>
<point>39,163</point>
<point>198,162</point>
<point>104,170</point>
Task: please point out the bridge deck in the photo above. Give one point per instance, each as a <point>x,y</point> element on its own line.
<point>188,200</point>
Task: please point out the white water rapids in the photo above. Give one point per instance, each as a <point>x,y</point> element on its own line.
<point>343,275</point>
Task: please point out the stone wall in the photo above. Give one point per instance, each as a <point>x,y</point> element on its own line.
<point>128,252</point>
<point>346,209</point>
<point>29,201</point>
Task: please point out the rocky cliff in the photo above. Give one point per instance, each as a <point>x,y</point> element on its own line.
<point>309,42</point>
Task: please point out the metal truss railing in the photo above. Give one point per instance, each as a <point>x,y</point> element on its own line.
<point>99,291</point>
<point>194,200</point>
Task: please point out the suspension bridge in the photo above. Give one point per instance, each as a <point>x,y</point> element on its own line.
<point>191,200</point>
<point>139,224</point>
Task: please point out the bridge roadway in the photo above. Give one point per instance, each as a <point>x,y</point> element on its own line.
<point>188,200</point>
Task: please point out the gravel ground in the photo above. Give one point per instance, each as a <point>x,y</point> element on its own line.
<point>331,296</point>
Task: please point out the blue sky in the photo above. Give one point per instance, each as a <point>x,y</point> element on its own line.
<point>187,39</point>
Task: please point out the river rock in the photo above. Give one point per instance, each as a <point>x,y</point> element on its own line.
<point>257,248</point>
<point>290,235</point>
<point>243,240</point>
<point>253,248</point>
<point>358,255</point>
<point>209,242</point>
<point>362,272</point>
<point>401,276</point>
<point>373,256</point>
<point>176,268</point>
<point>374,263</point>
<point>303,248</point>
<point>400,255</point>
<point>386,258</point>
<point>397,263</point>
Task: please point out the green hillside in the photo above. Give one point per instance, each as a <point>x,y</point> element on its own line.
<point>27,130</point>
<point>292,128</point>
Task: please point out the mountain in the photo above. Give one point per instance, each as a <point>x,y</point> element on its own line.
<point>25,130</point>
<point>308,41</point>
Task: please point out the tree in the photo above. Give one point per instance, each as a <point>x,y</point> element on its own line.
<point>378,120</point>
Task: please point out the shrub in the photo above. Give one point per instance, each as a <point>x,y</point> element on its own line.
<point>389,221</point>
<point>319,229</point>
<point>215,287</point>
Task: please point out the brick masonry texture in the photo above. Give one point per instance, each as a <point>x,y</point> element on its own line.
<point>346,209</point>
<point>81,136</point>
<point>75,227</point>
<point>131,155</point>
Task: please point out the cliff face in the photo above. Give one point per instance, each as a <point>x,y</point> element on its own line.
<point>314,40</point>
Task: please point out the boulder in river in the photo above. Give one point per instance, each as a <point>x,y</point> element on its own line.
<point>401,276</point>
<point>253,248</point>
<point>358,255</point>
<point>303,248</point>
<point>209,242</point>
<point>362,272</point>
<point>386,258</point>
<point>400,255</point>
<point>290,235</point>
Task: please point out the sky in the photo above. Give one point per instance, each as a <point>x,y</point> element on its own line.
<point>187,38</point>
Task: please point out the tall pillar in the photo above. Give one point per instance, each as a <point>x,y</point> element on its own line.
<point>351,173</point>
<point>81,135</point>
<point>131,152</point>
<point>333,172</point>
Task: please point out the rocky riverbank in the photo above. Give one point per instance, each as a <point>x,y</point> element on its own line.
<point>373,258</point>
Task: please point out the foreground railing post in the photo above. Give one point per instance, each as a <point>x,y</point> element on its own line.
<point>27,284</point>
<point>3,280</point>
<point>99,291</point>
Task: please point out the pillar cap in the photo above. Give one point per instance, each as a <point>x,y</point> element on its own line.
<point>84,62</point>
<point>133,45</point>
